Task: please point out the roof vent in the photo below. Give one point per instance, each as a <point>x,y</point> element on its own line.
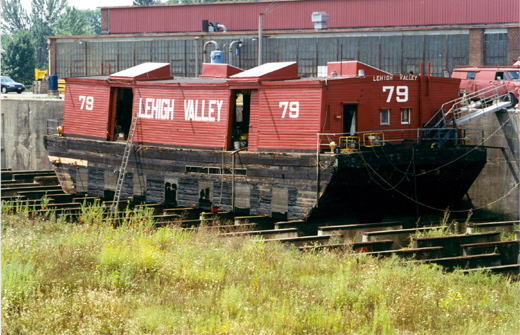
<point>320,20</point>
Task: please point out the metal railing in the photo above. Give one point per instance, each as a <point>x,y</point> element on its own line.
<point>465,136</point>
<point>455,109</point>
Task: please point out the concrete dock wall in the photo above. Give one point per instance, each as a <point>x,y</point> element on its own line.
<point>496,189</point>
<point>24,124</point>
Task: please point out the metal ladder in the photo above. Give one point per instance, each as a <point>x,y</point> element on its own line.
<point>443,125</point>
<point>124,164</point>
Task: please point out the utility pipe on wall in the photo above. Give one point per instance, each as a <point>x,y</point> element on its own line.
<point>204,49</point>
<point>231,50</point>
<point>260,39</point>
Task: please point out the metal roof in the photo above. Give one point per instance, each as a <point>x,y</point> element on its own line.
<point>296,15</point>
<point>262,70</point>
<point>140,70</point>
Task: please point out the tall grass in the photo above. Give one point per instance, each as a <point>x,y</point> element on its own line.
<point>91,278</point>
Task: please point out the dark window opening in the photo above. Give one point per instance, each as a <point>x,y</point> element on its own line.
<point>170,194</point>
<point>205,197</point>
<point>241,117</point>
<point>499,76</point>
<point>471,75</point>
<point>123,113</point>
<point>349,119</point>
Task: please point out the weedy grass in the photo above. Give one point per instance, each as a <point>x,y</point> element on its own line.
<point>92,278</point>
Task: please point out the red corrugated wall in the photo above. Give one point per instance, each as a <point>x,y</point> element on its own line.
<point>371,98</point>
<point>298,132</point>
<point>297,14</point>
<point>179,131</point>
<point>83,116</point>
<point>254,122</point>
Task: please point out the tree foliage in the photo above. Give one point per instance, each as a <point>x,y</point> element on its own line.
<point>145,2</point>
<point>14,16</point>
<point>44,15</point>
<point>93,17</point>
<point>202,1</point>
<point>18,57</point>
<point>73,22</point>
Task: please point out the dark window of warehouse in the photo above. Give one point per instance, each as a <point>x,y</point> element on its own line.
<point>495,48</point>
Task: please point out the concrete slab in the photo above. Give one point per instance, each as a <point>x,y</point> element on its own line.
<point>512,271</point>
<point>502,226</point>
<point>465,262</point>
<point>354,232</point>
<point>509,250</point>
<point>278,234</point>
<point>361,247</point>
<point>187,213</point>
<point>419,253</point>
<point>303,240</point>
<point>401,237</point>
<point>452,244</point>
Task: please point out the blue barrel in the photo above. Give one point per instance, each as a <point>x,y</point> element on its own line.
<point>217,57</point>
<point>53,83</point>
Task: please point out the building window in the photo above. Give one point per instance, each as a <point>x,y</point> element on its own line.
<point>495,47</point>
<point>385,117</point>
<point>405,115</point>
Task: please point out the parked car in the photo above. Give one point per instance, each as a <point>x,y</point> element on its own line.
<point>476,78</point>
<point>9,85</point>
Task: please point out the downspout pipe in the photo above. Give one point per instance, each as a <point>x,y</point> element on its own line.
<point>204,49</point>
<point>260,32</point>
<point>231,50</point>
<point>223,27</point>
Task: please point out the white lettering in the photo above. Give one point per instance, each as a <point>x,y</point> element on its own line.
<point>219,107</point>
<point>206,112</point>
<point>294,108</point>
<point>407,77</point>
<point>197,118</point>
<point>211,110</point>
<point>382,78</point>
<point>156,103</point>
<point>401,93</point>
<point>87,102</point>
<point>391,89</point>
<point>188,110</point>
<point>148,108</point>
<point>202,117</point>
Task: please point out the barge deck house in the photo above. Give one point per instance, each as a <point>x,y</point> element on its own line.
<point>260,141</point>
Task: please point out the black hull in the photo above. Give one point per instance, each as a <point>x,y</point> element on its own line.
<point>364,185</point>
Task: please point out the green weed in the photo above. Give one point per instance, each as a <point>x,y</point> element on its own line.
<point>92,278</point>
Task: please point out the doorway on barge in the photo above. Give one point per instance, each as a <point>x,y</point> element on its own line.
<point>241,118</point>
<point>349,119</point>
<point>121,106</point>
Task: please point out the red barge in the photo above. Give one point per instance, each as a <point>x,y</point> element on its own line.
<point>264,141</point>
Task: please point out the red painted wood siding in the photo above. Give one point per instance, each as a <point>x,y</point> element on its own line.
<point>289,133</point>
<point>179,131</point>
<point>82,121</point>
<point>371,99</point>
<point>297,14</point>
<point>254,122</point>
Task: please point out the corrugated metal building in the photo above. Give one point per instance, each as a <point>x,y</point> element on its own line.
<point>394,35</point>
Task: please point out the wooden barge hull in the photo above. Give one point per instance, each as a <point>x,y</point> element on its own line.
<point>364,185</point>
